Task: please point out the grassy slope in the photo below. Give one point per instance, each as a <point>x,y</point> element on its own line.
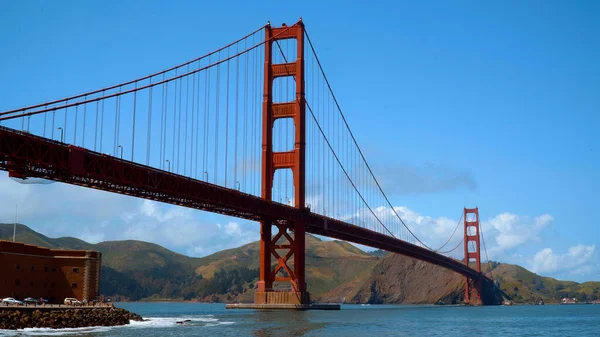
<point>119,255</point>
<point>27,235</point>
<point>524,286</point>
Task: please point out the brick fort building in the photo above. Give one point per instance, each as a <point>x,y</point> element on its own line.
<point>53,274</point>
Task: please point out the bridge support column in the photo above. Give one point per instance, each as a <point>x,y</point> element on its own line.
<point>265,282</point>
<point>286,247</point>
<point>473,291</point>
<point>473,288</point>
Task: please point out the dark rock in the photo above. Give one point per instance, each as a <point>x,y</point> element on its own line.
<point>17,318</point>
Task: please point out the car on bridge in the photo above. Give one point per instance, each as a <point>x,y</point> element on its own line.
<point>72,301</point>
<point>11,301</point>
<point>31,300</point>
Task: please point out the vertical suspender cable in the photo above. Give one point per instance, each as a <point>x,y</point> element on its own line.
<point>149,134</point>
<point>227,118</point>
<point>192,125</point>
<point>237,88</point>
<point>102,123</point>
<point>198,119</point>
<point>253,112</point>
<point>84,119</point>
<point>245,158</point>
<point>186,126</point>
<point>162,115</point>
<point>204,119</point>
<point>118,123</point>
<point>96,127</point>
<point>217,100</point>
<point>164,130</point>
<point>133,122</point>
<point>173,163</point>
<point>45,118</point>
<point>74,125</point>
<point>179,127</point>
<point>206,127</point>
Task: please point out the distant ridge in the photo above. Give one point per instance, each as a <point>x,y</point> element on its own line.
<point>336,272</point>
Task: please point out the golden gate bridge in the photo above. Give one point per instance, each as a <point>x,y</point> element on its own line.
<point>251,130</point>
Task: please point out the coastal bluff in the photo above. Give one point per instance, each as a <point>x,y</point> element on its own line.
<point>13,318</point>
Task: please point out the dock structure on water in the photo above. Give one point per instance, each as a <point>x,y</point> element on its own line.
<point>269,306</point>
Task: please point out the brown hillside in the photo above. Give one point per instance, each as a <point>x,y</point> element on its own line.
<point>399,279</point>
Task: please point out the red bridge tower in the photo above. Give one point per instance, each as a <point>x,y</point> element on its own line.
<point>293,244</point>
<point>472,237</point>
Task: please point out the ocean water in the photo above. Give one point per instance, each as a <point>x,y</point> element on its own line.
<point>352,320</point>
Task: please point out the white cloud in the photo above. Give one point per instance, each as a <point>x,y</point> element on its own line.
<point>510,231</point>
<point>60,209</point>
<point>183,230</point>
<point>574,260</point>
<point>233,228</point>
<point>92,237</point>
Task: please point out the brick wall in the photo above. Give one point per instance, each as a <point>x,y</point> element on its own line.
<point>31,271</point>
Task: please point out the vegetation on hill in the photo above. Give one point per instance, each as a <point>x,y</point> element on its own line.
<point>523,286</point>
<point>336,272</point>
<point>137,270</point>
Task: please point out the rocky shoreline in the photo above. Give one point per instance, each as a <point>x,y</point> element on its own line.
<point>13,319</point>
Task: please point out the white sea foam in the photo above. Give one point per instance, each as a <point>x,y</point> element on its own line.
<point>171,321</point>
<point>149,322</point>
<point>53,332</point>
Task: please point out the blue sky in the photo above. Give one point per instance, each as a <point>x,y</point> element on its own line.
<point>455,104</point>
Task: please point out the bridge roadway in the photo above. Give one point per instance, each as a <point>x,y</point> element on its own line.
<point>26,155</point>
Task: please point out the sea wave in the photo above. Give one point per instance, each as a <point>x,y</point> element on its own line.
<point>149,322</point>
<point>171,321</point>
<point>53,332</point>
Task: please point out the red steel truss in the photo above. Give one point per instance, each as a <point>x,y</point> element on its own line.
<point>25,155</point>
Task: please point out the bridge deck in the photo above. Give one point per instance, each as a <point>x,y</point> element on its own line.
<point>25,155</point>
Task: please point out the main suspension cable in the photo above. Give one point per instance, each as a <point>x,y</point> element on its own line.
<point>333,152</point>
<point>453,249</point>
<point>450,238</point>
<point>485,250</point>
<point>125,92</point>
<point>136,80</point>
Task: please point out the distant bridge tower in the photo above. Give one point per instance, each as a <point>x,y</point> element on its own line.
<point>473,288</point>
<point>293,245</point>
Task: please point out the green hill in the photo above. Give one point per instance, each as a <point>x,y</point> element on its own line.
<point>27,235</point>
<point>523,286</point>
<point>335,271</point>
<point>137,270</point>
